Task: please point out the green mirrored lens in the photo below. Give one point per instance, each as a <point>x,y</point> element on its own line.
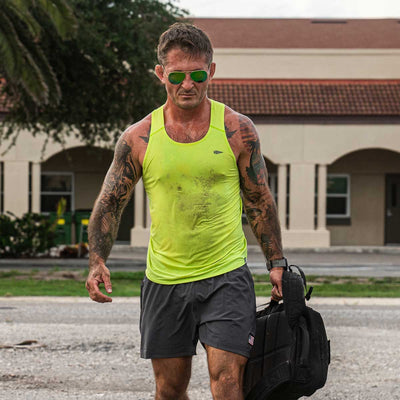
<point>176,77</point>
<point>199,76</point>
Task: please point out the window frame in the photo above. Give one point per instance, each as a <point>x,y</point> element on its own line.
<point>47,193</point>
<point>341,195</point>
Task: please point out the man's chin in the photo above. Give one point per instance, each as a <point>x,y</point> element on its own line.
<point>188,103</point>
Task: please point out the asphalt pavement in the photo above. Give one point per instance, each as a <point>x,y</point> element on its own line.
<point>340,261</point>
<point>56,348</point>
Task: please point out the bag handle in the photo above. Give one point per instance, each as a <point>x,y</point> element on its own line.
<point>303,277</point>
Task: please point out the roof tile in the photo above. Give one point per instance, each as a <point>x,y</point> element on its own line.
<point>312,98</point>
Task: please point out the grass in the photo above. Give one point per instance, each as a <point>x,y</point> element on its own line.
<point>57,282</point>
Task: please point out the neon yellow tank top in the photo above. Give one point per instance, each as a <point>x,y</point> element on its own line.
<point>195,204</point>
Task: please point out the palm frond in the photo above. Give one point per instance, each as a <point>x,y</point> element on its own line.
<point>61,15</point>
<point>21,10</point>
<point>19,67</point>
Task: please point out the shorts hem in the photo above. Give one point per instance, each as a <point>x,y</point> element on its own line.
<point>150,355</point>
<point>240,352</point>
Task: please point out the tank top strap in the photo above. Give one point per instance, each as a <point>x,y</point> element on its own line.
<point>157,119</point>
<point>217,119</point>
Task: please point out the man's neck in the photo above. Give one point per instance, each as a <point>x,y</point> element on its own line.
<point>187,125</point>
<point>175,114</point>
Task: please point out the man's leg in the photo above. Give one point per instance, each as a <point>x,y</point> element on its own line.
<point>226,374</point>
<point>172,377</point>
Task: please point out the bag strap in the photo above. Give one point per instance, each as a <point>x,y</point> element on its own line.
<point>303,277</point>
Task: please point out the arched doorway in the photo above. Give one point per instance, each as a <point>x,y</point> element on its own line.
<point>363,198</point>
<point>77,175</point>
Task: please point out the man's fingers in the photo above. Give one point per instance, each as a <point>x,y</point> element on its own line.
<point>107,283</point>
<point>276,294</point>
<point>92,285</point>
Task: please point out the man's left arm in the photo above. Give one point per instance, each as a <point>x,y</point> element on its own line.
<point>258,201</point>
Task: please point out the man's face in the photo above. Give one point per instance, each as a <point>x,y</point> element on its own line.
<point>188,94</point>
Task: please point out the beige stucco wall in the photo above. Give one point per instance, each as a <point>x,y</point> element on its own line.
<point>307,63</point>
<point>367,213</point>
<point>323,144</point>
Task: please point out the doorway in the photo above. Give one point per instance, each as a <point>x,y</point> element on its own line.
<point>392,212</point>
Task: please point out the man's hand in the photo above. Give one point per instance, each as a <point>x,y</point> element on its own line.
<point>275,277</point>
<point>97,275</point>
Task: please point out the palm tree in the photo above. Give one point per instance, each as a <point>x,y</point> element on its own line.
<point>23,63</point>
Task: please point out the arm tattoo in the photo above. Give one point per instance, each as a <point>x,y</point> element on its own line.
<point>146,138</point>
<point>229,133</point>
<point>115,193</point>
<point>258,202</point>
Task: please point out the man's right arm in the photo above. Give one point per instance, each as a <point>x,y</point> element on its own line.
<point>116,191</point>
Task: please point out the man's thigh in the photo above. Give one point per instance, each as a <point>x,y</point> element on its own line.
<point>167,324</point>
<point>228,314</point>
<point>224,362</point>
<point>172,373</point>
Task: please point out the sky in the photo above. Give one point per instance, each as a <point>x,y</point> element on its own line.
<point>292,8</point>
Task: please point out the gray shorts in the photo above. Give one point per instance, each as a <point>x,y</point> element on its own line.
<point>219,311</point>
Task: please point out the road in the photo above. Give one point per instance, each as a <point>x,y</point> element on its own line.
<point>88,351</point>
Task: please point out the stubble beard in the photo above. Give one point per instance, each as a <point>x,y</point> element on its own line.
<point>190,104</point>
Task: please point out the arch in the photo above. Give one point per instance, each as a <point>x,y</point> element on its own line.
<point>55,151</point>
<point>368,154</point>
<point>343,153</point>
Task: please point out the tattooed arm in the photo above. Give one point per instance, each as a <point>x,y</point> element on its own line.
<point>116,191</point>
<point>258,201</point>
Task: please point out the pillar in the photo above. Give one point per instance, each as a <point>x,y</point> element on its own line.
<point>302,188</point>
<point>139,233</point>
<point>16,187</point>
<point>282,194</point>
<point>35,193</point>
<point>321,215</point>
<point>139,205</point>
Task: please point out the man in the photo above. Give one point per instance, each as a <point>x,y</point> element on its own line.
<point>195,156</point>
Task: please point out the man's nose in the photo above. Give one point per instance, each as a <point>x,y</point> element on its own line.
<point>187,82</point>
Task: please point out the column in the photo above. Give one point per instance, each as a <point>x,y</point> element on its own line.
<point>139,205</point>
<point>140,233</point>
<point>16,187</point>
<point>302,188</point>
<point>36,169</point>
<point>321,216</point>
<point>302,232</point>
<point>282,194</point>
<point>148,218</point>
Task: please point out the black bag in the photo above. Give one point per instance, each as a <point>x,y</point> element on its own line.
<point>291,352</point>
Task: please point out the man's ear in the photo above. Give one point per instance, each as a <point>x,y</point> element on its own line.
<point>159,70</point>
<point>212,70</point>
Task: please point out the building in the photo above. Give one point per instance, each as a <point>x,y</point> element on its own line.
<point>325,98</point>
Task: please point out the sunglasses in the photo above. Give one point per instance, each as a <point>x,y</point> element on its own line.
<point>178,77</point>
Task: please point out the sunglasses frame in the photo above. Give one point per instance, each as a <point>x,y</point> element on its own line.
<point>183,76</point>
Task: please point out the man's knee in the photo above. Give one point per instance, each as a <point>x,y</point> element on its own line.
<point>170,391</point>
<point>226,381</point>
<point>172,378</point>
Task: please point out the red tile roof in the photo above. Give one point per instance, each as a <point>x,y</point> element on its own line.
<point>301,33</point>
<point>309,97</point>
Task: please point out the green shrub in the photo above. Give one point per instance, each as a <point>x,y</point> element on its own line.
<point>28,236</point>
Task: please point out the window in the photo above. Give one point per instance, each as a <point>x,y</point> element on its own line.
<point>54,186</point>
<point>338,196</point>
<point>273,185</point>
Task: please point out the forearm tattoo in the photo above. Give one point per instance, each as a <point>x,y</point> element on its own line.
<point>258,201</point>
<point>115,193</point>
